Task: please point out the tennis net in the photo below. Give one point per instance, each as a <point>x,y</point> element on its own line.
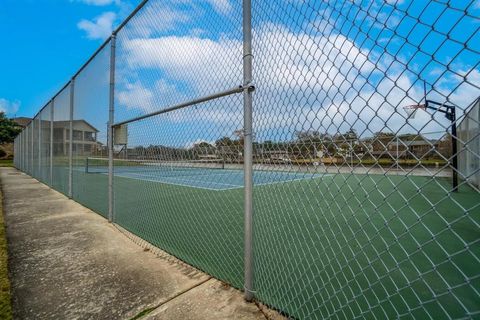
<point>100,165</point>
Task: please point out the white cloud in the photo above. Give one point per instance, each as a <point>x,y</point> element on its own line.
<point>9,107</point>
<point>206,65</point>
<point>319,67</point>
<point>136,96</point>
<point>221,6</point>
<point>167,17</point>
<point>100,28</point>
<point>329,84</point>
<point>192,144</point>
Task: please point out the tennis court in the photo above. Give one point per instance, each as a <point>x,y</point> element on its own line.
<point>209,176</point>
<point>370,244</point>
<point>395,258</point>
<point>388,244</point>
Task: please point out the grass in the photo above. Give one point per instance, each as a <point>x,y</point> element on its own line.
<point>5,298</point>
<point>340,246</point>
<point>6,163</point>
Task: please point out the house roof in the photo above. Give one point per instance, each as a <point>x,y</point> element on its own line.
<point>22,121</point>
<point>63,123</point>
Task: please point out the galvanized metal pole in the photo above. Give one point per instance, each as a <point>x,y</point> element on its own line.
<point>70,138</point>
<point>32,164</point>
<point>248,148</point>
<point>52,107</point>
<point>110,127</point>
<point>39,153</point>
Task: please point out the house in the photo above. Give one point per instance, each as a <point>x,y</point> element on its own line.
<point>84,138</point>
<point>398,148</point>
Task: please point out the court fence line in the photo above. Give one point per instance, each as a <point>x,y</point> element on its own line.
<point>333,201</point>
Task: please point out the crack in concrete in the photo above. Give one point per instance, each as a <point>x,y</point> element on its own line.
<point>147,311</point>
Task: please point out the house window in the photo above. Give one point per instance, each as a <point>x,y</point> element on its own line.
<point>58,134</point>
<point>89,136</point>
<point>77,135</point>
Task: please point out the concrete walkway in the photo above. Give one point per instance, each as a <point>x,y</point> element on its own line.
<point>67,262</point>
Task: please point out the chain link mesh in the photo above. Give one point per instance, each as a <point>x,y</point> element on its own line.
<point>44,153</point>
<point>61,140</point>
<point>184,207</point>
<point>362,208</point>
<point>377,232</point>
<point>90,119</point>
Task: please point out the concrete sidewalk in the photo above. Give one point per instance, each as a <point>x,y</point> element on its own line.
<point>67,262</point>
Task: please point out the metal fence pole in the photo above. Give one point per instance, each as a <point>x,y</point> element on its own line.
<point>32,133</point>
<point>39,152</point>
<point>70,147</point>
<point>248,148</point>
<point>52,106</point>
<point>110,128</point>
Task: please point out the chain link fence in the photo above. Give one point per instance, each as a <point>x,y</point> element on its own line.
<point>335,175</point>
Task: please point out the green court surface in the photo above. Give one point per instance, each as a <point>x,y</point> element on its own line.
<point>341,246</point>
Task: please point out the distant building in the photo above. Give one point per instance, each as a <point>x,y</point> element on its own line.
<point>84,138</point>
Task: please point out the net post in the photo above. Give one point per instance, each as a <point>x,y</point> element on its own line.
<point>110,126</point>
<point>70,138</point>
<point>52,106</point>
<point>248,149</point>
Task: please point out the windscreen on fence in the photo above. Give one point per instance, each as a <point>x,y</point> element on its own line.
<point>366,195</point>
<point>89,134</point>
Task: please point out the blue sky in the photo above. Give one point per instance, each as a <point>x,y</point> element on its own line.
<point>43,44</point>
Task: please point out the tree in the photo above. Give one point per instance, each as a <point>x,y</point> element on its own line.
<point>203,148</point>
<point>8,129</point>
<point>384,135</point>
<point>224,142</point>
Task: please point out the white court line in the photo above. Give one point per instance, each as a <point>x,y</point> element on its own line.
<point>277,182</point>
<point>169,183</point>
<point>234,186</point>
<point>184,179</point>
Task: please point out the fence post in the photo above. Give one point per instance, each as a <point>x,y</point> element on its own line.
<point>110,128</point>
<point>39,152</point>
<point>70,138</point>
<point>248,148</point>
<point>32,134</point>
<point>52,106</point>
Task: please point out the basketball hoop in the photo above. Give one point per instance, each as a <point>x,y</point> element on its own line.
<point>411,110</point>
